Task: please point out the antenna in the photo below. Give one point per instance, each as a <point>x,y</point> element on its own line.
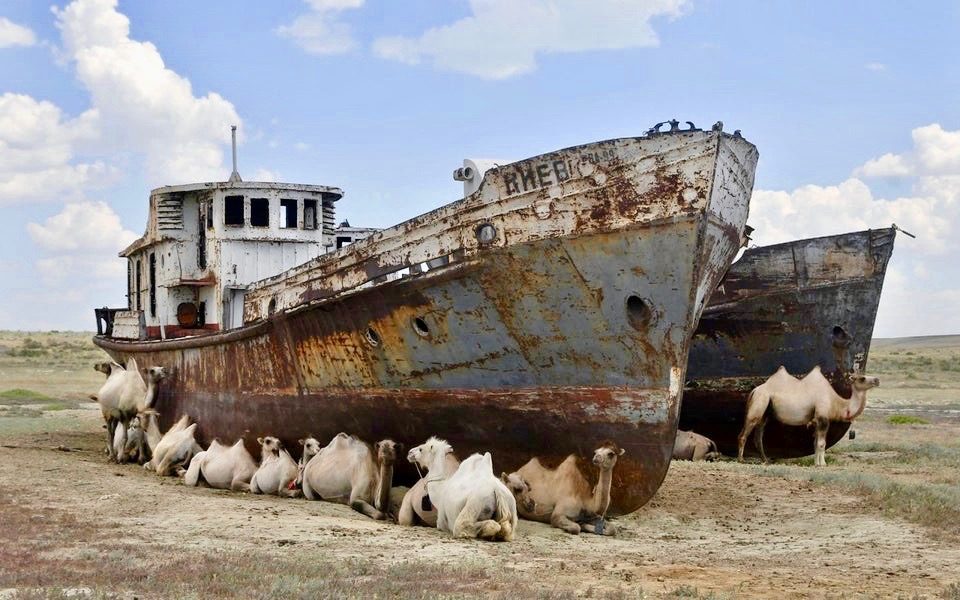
<point>235,176</point>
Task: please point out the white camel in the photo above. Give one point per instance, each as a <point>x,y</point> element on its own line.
<point>277,470</point>
<point>807,401</point>
<point>472,502</point>
<point>311,447</point>
<point>224,467</point>
<point>177,446</point>
<point>413,509</point>
<point>124,394</point>
<point>348,471</point>
<point>689,445</point>
<point>562,496</point>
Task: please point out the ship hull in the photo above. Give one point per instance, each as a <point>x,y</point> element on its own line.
<point>573,331</point>
<point>801,304</point>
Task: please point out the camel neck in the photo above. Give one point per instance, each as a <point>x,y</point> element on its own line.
<point>151,393</point>
<point>601,493</point>
<point>852,407</point>
<point>383,490</point>
<point>153,432</point>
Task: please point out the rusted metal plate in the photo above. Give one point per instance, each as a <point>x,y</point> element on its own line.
<point>572,325</point>
<point>800,304</point>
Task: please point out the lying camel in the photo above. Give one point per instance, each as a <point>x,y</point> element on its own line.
<point>347,471</point>
<point>277,470</point>
<point>472,502</point>
<point>177,446</point>
<point>224,467</point>
<point>413,509</point>
<point>693,446</point>
<point>807,401</point>
<point>311,448</point>
<point>562,496</point>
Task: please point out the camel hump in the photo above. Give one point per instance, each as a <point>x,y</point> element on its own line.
<point>132,364</point>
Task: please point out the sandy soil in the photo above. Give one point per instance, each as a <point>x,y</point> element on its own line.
<point>718,527</point>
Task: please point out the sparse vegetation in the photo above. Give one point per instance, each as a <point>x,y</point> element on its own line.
<point>906,420</point>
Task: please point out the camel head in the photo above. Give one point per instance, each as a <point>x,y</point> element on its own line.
<point>311,447</point>
<point>105,367</point>
<point>154,374</point>
<point>520,489</point>
<point>431,450</point>
<point>135,423</point>
<point>387,451</point>
<point>269,446</point>
<point>861,382</point>
<point>607,454</point>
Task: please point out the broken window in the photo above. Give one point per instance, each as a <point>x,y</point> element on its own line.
<point>309,214</point>
<point>288,213</point>
<point>259,212</point>
<point>233,210</point>
<point>139,280</point>
<point>153,284</point>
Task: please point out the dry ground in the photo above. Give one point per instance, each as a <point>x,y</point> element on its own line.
<point>882,520</point>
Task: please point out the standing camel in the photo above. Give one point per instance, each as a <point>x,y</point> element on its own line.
<point>124,394</point>
<point>807,401</point>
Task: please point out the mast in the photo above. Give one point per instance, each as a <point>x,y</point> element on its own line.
<point>235,176</point>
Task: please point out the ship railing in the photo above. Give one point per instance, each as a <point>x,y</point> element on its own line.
<point>105,317</point>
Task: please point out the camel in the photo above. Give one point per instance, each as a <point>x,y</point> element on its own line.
<point>277,470</point>
<point>347,471</point>
<point>125,393</point>
<point>135,448</point>
<point>224,467</point>
<point>311,448</point>
<point>413,509</point>
<point>807,401</point>
<point>693,446</point>
<point>119,442</point>
<point>472,502</point>
<point>177,446</point>
<point>562,496</point>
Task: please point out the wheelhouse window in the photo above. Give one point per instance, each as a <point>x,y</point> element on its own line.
<point>309,214</point>
<point>153,284</point>
<point>288,213</point>
<point>233,210</point>
<point>259,212</point>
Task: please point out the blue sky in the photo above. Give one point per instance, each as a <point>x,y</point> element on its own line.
<point>855,108</point>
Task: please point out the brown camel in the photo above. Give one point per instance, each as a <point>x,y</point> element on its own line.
<point>562,496</point>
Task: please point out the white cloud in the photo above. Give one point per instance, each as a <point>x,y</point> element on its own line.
<point>12,34</point>
<point>320,31</point>
<point>143,106</point>
<point>502,38</point>
<point>876,67</point>
<point>935,152</point>
<point>82,227</point>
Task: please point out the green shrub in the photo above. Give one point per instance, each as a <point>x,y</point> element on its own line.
<point>906,420</point>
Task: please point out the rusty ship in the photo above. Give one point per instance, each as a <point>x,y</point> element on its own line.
<point>549,309</point>
<point>798,304</point>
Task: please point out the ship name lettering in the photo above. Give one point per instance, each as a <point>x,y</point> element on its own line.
<point>531,177</point>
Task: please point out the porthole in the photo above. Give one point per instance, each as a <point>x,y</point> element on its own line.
<point>421,327</point>
<point>372,337</point>
<point>639,313</point>
<point>272,306</point>
<point>840,337</point>
<point>486,234</point>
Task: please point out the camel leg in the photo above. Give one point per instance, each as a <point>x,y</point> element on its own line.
<point>111,431</point>
<point>406,517</point>
<point>607,528</point>
<point>820,458</point>
<point>254,487</point>
<point>474,520</point>
<point>307,490</point>
<point>362,506</point>
<point>561,521</point>
<point>285,490</point>
<point>756,408</point>
<point>758,438</point>
<point>239,485</point>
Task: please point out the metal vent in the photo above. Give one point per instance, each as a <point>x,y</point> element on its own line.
<point>170,212</point>
<point>329,222</point>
